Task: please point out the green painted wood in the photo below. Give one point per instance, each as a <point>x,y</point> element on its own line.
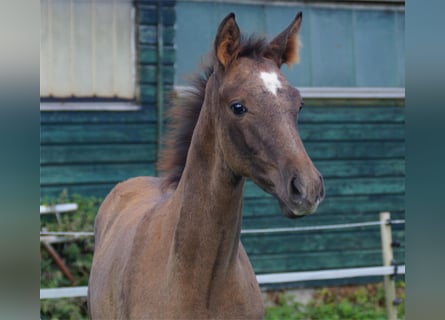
<point>308,115</point>
<point>337,50</point>
<point>376,65</point>
<point>93,173</point>
<point>332,47</point>
<point>353,131</point>
<point>98,133</point>
<point>360,186</point>
<point>360,168</point>
<point>98,154</point>
<point>355,150</point>
<point>353,102</point>
<point>148,35</point>
<point>148,15</point>
<point>352,114</point>
<point>146,115</point>
<point>337,206</point>
<point>316,241</point>
<point>148,55</point>
<point>358,145</point>
<point>148,74</point>
<point>348,186</point>
<point>319,260</point>
<point>278,220</point>
<point>99,190</point>
<point>148,93</point>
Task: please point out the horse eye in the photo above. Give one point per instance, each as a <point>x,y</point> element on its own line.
<point>238,108</point>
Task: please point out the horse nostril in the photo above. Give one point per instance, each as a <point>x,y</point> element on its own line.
<point>295,188</point>
<point>322,191</point>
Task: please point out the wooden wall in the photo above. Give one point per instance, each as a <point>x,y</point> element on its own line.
<point>88,152</point>
<point>358,146</point>
<point>360,150</point>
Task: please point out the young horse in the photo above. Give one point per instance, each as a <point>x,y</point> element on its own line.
<point>169,248</point>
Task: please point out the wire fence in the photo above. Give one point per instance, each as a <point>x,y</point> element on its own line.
<point>263,230</point>
<point>67,292</point>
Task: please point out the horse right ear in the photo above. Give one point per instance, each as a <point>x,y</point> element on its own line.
<point>285,47</point>
<point>227,41</point>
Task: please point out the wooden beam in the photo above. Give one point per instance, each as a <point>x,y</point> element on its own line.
<point>388,260</point>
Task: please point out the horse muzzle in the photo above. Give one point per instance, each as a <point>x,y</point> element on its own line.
<point>302,198</point>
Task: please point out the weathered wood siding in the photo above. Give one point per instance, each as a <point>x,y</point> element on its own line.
<point>358,146</point>
<point>360,151</point>
<point>88,152</point>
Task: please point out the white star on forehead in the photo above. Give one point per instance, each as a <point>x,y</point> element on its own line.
<point>271,81</point>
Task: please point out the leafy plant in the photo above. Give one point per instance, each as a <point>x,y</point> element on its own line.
<point>77,255</point>
<point>345,303</point>
<point>337,303</point>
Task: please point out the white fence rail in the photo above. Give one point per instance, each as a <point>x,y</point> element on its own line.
<point>70,292</point>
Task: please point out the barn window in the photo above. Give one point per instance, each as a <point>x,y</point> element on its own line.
<point>87,50</point>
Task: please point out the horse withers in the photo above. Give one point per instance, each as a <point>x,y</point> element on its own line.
<point>169,247</point>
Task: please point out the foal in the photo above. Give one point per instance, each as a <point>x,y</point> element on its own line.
<point>169,248</point>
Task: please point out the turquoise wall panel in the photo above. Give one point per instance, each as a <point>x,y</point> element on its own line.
<point>332,48</point>
<point>375,49</point>
<point>400,47</point>
<point>342,46</point>
<point>277,18</point>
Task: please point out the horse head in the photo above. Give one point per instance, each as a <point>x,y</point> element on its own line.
<point>256,111</point>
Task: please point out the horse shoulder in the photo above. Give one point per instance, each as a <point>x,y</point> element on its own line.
<point>126,199</point>
<point>127,210</point>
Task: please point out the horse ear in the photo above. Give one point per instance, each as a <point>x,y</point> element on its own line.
<point>227,41</point>
<point>284,48</point>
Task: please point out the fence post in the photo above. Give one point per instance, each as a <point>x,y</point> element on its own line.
<point>388,258</point>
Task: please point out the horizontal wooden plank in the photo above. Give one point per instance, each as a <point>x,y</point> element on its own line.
<point>360,168</point>
<point>99,190</point>
<point>98,133</point>
<point>266,206</point>
<point>347,186</point>
<point>334,187</point>
<point>148,74</point>
<point>148,15</point>
<point>350,114</point>
<point>316,241</point>
<point>148,54</point>
<point>147,152</point>
<point>148,93</point>
<point>116,153</point>
<point>319,260</point>
<point>146,115</point>
<point>354,131</point>
<point>365,186</point>
<point>89,106</point>
<point>148,35</point>
<point>376,187</point>
<point>309,115</point>
<point>77,174</point>
<point>278,220</point>
<point>355,149</point>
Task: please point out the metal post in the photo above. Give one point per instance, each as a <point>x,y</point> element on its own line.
<point>388,258</point>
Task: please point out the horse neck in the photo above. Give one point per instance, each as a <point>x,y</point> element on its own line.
<point>208,200</point>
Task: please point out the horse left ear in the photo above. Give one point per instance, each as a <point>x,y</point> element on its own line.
<point>227,41</point>
<point>284,48</point>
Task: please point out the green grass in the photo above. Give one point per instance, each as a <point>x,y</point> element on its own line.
<point>338,303</point>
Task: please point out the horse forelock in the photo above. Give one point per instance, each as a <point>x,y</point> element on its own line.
<point>184,113</point>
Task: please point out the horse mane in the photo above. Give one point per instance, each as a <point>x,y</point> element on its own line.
<point>184,113</point>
